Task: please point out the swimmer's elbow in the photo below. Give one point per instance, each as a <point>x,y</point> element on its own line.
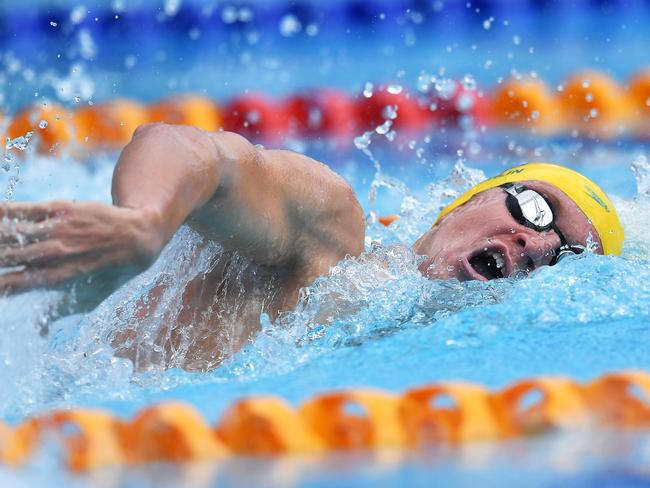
<point>150,129</point>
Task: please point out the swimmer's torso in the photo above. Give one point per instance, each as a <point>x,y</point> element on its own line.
<point>218,314</point>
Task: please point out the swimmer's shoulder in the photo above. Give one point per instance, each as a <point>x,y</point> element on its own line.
<point>322,206</point>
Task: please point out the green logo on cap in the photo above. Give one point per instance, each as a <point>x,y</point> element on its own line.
<point>596,198</point>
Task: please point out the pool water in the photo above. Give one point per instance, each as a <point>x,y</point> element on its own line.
<point>584,317</point>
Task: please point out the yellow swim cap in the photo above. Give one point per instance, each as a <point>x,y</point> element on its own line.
<point>586,194</point>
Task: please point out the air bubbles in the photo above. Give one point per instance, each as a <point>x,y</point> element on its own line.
<point>53,24</point>
<point>42,124</point>
<point>487,23</point>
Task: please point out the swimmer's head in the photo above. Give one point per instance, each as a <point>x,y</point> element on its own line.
<point>524,218</point>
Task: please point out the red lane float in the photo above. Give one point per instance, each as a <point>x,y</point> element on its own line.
<point>407,112</point>
<point>331,113</point>
<point>449,414</point>
<point>256,116</point>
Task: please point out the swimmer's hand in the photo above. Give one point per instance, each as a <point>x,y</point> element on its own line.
<point>62,243</point>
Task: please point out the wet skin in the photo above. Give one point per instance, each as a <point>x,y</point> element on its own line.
<point>285,212</point>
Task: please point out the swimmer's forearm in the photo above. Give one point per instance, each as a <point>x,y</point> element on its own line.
<point>167,172</point>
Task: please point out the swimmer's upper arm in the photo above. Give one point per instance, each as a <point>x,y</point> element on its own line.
<point>281,207</point>
<point>277,207</point>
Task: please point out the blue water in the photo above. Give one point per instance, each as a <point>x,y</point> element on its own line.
<point>586,316</point>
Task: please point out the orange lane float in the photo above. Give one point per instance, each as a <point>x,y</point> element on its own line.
<point>198,111</point>
<point>109,125</point>
<point>51,124</point>
<point>639,92</point>
<point>595,105</point>
<point>449,413</point>
<point>266,425</point>
<point>527,104</point>
<point>170,432</point>
<point>469,416</point>
<point>373,421</point>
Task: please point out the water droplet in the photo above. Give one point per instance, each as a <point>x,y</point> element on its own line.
<point>394,89</point>
<point>445,87</point>
<point>290,25</point>
<point>229,15</point>
<point>42,124</point>
<point>363,141</point>
<point>171,7</point>
<point>384,128</point>
<point>253,117</point>
<point>367,89</point>
<point>464,103</point>
<point>389,112</point>
<point>78,14</point>
<point>469,82</point>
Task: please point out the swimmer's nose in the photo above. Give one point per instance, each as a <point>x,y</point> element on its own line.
<point>535,248</point>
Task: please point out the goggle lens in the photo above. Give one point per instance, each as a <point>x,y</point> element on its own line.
<point>535,209</point>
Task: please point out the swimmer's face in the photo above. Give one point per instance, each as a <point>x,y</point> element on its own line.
<point>481,240</point>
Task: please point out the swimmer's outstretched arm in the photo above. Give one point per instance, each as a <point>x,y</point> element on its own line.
<point>277,207</point>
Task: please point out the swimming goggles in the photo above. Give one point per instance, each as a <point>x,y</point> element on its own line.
<point>531,209</point>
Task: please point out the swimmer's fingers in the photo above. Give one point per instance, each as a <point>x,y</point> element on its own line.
<point>47,252</point>
<point>25,232</point>
<point>34,212</point>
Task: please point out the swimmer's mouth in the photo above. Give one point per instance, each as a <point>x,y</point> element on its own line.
<point>487,265</point>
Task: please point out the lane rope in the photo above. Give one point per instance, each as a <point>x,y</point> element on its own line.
<point>445,413</point>
<point>588,104</point>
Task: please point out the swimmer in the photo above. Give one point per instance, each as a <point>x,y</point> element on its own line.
<point>290,216</point>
